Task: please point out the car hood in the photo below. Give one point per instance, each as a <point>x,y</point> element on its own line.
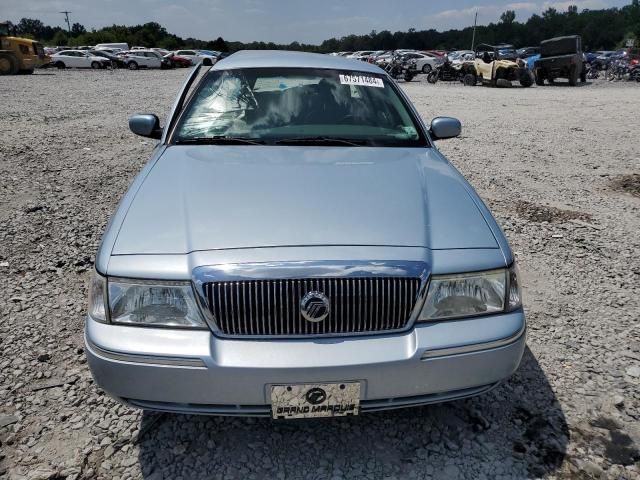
<point>221,197</point>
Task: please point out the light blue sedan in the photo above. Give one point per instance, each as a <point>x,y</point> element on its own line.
<point>297,246</point>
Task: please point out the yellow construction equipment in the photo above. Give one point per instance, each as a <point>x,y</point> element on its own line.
<point>19,55</point>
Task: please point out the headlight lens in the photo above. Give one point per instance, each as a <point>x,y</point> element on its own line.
<point>153,303</point>
<point>97,305</point>
<point>465,295</point>
<point>515,293</point>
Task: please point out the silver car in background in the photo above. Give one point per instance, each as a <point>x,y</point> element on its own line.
<point>298,247</point>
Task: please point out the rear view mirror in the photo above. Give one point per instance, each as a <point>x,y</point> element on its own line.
<point>146,125</point>
<point>445,127</point>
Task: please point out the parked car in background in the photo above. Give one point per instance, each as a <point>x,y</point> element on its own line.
<point>116,61</point>
<point>374,55</point>
<point>386,57</point>
<point>78,59</point>
<point>192,55</point>
<point>199,305</point>
<point>361,55</point>
<point>590,57</point>
<point>172,61</point>
<point>424,62</point>
<point>382,60</point>
<point>507,52</point>
<point>197,55</point>
<point>459,56</point>
<point>119,46</point>
<point>135,59</point>
<point>161,51</point>
<point>437,53</point>
<point>527,52</point>
<point>112,51</point>
<point>212,55</point>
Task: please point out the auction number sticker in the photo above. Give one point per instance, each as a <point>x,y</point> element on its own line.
<point>363,80</point>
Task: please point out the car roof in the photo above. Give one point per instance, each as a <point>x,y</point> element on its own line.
<point>290,59</point>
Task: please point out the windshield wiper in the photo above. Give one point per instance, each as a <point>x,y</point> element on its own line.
<point>219,140</point>
<point>322,141</point>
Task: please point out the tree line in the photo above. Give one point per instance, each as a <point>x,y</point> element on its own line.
<point>150,34</point>
<point>600,29</point>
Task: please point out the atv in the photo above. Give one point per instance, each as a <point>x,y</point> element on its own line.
<point>499,66</point>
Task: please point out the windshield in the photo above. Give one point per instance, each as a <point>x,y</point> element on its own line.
<point>278,105</point>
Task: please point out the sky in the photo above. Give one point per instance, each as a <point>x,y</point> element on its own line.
<point>282,21</point>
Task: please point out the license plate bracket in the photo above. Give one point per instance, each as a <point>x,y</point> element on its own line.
<point>312,400</point>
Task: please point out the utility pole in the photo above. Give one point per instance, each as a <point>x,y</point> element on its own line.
<point>473,39</point>
<point>66,15</point>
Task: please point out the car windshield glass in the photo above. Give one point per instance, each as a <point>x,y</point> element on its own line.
<point>277,105</point>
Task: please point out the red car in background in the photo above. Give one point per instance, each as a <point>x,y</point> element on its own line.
<point>173,61</point>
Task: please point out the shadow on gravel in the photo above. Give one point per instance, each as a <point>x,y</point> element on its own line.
<point>563,84</point>
<point>628,184</point>
<point>517,429</point>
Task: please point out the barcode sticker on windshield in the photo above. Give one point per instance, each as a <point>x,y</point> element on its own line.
<point>363,80</point>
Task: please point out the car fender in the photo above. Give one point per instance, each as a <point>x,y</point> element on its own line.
<point>115,223</point>
<point>490,220</point>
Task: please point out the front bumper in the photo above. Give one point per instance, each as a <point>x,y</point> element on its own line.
<point>196,372</point>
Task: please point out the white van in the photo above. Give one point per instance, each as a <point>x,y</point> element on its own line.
<point>120,46</point>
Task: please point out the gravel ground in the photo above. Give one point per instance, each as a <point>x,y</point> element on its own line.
<point>558,166</point>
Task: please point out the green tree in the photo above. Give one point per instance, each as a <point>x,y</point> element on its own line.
<point>220,45</point>
<point>60,38</point>
<point>30,26</point>
<point>77,29</point>
<point>508,17</point>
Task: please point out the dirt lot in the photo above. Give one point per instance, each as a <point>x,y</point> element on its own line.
<point>558,166</point>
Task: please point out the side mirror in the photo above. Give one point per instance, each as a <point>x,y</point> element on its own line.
<point>445,127</point>
<point>146,125</point>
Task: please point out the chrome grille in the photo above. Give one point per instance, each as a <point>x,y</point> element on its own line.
<point>272,307</point>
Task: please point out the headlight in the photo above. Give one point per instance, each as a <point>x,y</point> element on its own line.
<point>153,303</point>
<point>471,294</point>
<point>97,303</point>
<point>515,293</point>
